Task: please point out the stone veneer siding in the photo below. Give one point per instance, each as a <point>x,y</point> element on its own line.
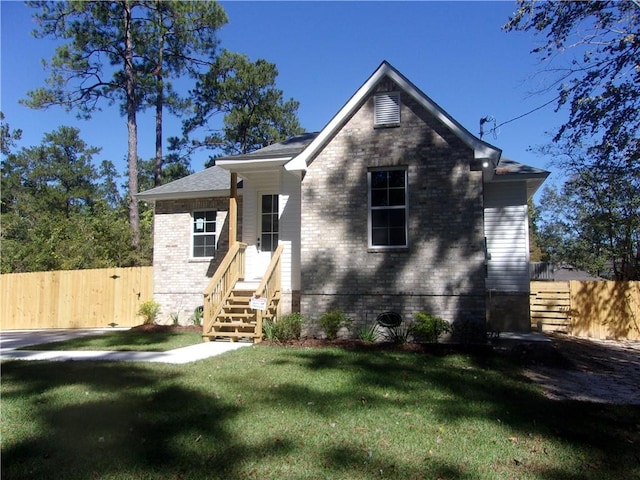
<point>441,272</point>
<point>179,279</point>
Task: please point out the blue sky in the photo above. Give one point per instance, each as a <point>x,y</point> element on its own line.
<point>455,52</point>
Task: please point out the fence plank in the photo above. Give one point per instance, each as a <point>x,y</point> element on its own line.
<point>74,298</point>
<point>550,306</point>
<point>597,309</point>
<point>606,309</point>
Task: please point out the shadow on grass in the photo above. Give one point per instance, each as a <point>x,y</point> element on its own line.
<point>153,427</point>
<point>295,413</point>
<point>462,388</point>
<point>129,340</point>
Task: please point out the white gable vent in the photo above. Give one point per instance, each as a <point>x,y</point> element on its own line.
<point>386,108</point>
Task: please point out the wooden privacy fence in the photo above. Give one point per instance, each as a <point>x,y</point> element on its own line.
<point>597,309</point>
<point>74,298</point>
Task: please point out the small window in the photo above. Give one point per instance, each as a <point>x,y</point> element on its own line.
<point>388,208</point>
<point>386,109</point>
<point>204,234</point>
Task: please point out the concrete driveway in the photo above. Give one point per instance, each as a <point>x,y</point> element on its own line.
<point>12,340</point>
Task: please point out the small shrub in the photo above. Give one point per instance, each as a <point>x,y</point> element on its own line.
<point>283,329</point>
<point>429,328</point>
<point>196,318</point>
<point>332,322</point>
<point>149,311</point>
<point>175,318</point>
<point>369,333</point>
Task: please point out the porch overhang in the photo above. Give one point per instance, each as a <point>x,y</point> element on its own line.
<point>253,165</point>
<point>512,171</point>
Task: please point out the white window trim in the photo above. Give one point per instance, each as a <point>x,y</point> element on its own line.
<point>406,209</point>
<point>193,234</point>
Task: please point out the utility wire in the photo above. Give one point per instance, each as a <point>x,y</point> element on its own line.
<point>496,127</point>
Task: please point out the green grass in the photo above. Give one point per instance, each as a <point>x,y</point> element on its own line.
<point>293,413</point>
<point>126,340</point>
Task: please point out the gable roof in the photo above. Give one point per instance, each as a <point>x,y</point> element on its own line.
<point>211,182</point>
<point>296,153</point>
<point>481,149</point>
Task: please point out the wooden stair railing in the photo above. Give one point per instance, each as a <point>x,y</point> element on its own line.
<point>270,288</point>
<point>221,285</point>
<point>236,318</point>
<point>228,313</point>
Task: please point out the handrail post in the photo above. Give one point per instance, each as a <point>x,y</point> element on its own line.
<point>222,283</point>
<point>258,331</point>
<point>233,209</point>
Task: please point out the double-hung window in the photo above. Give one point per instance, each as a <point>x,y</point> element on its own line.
<point>203,233</point>
<point>388,207</point>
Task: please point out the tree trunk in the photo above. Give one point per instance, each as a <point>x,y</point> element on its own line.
<point>157,178</point>
<point>132,129</point>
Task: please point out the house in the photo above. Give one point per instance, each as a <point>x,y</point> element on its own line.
<point>393,206</point>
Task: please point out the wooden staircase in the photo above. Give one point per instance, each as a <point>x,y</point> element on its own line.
<point>236,319</point>
<point>227,310</point>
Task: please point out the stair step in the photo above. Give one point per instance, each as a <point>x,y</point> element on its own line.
<point>237,306</point>
<point>236,315</point>
<point>240,298</point>
<point>233,324</point>
<point>232,335</point>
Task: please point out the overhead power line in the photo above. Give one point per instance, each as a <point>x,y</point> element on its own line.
<point>495,128</point>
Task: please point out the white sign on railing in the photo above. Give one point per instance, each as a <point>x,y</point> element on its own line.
<point>258,303</point>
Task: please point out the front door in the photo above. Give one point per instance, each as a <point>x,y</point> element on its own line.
<point>267,240</point>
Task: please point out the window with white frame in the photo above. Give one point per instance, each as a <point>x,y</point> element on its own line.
<point>203,234</point>
<point>388,207</point>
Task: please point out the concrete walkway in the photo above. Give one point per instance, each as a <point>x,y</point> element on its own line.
<point>12,340</point>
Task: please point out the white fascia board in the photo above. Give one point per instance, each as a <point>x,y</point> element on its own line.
<point>481,149</point>
<point>185,195</point>
<point>252,165</point>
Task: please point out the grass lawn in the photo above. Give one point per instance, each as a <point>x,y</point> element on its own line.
<point>127,340</point>
<point>294,413</point>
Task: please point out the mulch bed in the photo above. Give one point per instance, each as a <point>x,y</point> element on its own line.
<point>153,328</point>
<point>564,352</point>
<point>359,345</point>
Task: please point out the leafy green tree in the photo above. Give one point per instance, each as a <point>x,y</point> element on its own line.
<point>84,70</point>
<point>255,113</point>
<point>601,81</point>
<point>123,51</point>
<point>535,252</point>
<point>8,139</point>
<point>593,220</point>
<point>182,40</point>
<point>60,212</point>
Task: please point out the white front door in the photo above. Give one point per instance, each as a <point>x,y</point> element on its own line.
<point>267,241</point>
